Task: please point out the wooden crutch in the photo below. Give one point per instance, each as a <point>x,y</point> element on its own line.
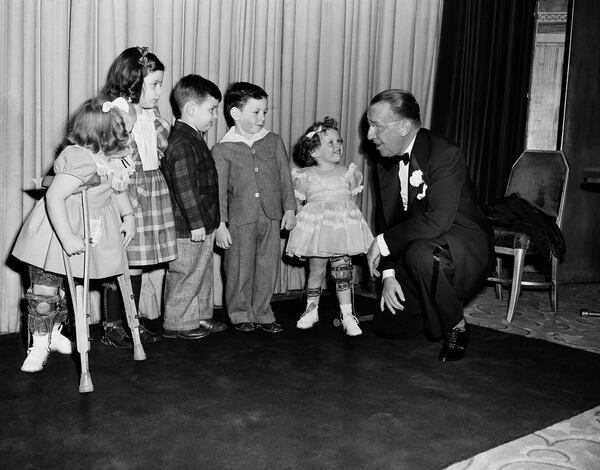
<point>80,299</point>
<point>79,294</point>
<point>129,301</point>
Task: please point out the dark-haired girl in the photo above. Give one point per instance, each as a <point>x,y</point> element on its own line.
<point>136,75</point>
<point>330,226</point>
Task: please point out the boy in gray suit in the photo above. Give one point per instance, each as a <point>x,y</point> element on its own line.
<point>256,198</point>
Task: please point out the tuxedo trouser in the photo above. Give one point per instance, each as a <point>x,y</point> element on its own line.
<point>433,305</point>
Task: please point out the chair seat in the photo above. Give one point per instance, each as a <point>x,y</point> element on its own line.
<point>507,238</point>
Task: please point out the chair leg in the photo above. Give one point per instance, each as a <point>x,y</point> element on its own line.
<point>515,290</point>
<point>554,288</point>
<point>498,285</point>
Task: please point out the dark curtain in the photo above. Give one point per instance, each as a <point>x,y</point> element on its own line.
<point>480,99</point>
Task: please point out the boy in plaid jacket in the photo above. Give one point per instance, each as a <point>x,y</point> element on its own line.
<point>192,178</point>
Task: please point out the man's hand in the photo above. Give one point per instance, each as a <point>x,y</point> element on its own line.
<point>373,257</point>
<point>198,235</point>
<point>289,220</point>
<point>392,295</point>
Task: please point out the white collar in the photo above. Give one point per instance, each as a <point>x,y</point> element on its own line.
<point>411,145</point>
<point>233,136</point>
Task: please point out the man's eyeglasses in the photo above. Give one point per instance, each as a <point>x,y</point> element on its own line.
<point>379,126</point>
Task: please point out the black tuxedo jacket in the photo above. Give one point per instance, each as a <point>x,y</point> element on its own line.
<point>441,204</point>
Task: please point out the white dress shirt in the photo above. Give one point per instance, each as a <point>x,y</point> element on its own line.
<point>403,176</point>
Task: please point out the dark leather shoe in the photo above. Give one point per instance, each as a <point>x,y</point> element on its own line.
<point>196,333</point>
<point>455,345</point>
<point>116,336</point>
<point>212,325</point>
<point>269,327</point>
<point>147,336</point>
<point>244,327</point>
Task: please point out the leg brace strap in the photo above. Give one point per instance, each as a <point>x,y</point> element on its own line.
<point>313,292</point>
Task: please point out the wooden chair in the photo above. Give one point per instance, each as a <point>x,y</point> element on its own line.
<point>539,177</point>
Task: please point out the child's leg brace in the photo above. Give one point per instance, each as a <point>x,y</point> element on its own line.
<point>341,271</point>
<point>45,311</point>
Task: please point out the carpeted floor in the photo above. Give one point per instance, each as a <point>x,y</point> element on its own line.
<point>309,400</point>
<point>574,443</point>
<point>534,318</point>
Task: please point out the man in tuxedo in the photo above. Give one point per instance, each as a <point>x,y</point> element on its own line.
<point>434,242</point>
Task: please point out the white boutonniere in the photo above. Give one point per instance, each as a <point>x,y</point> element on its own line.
<point>416,181</point>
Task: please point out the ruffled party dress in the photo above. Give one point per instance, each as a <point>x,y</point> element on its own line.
<point>330,223</point>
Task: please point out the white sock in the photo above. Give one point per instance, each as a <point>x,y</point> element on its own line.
<point>346,309</point>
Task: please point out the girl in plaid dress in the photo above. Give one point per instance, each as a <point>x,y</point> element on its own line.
<point>137,76</point>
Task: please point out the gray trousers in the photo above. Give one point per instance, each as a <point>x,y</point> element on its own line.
<point>251,270</point>
<point>189,285</point>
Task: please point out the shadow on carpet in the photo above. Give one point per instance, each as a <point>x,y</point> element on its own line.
<point>298,400</point>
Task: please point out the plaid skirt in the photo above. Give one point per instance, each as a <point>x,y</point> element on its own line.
<point>155,241</point>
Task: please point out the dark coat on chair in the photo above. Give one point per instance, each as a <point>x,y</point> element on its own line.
<point>441,204</point>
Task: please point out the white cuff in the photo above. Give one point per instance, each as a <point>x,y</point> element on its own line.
<point>388,273</point>
<point>383,248</point>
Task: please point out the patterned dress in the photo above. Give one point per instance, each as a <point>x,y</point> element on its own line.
<point>330,223</point>
<point>38,245</point>
<point>155,240</point>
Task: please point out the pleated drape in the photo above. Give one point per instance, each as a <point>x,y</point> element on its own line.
<point>313,57</point>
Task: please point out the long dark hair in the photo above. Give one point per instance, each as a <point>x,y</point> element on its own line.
<point>126,74</point>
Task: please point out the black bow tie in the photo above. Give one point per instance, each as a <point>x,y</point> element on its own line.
<point>389,161</point>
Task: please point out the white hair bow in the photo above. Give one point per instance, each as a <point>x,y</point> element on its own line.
<point>119,103</point>
<point>311,133</point>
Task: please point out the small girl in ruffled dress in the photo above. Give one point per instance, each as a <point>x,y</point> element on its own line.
<point>330,227</point>
<point>98,147</point>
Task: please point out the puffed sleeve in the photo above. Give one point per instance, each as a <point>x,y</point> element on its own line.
<point>300,180</point>
<point>77,162</point>
<point>354,178</point>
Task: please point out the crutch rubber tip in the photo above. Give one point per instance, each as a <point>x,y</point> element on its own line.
<point>587,313</point>
<point>85,384</point>
<point>336,322</point>
<point>138,353</point>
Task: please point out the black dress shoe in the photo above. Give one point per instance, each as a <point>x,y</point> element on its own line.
<point>455,345</point>
<point>116,336</point>
<point>147,336</point>
<point>212,325</point>
<point>196,333</point>
<point>244,327</point>
<point>269,327</point>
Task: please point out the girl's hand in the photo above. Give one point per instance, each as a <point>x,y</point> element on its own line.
<point>128,229</point>
<point>289,220</point>
<point>223,237</point>
<point>73,244</point>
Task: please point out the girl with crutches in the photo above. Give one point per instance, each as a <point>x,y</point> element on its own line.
<point>97,145</point>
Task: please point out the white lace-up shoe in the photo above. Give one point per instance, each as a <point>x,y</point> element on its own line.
<point>58,342</point>
<point>37,355</point>
<point>350,324</point>
<point>309,317</point>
